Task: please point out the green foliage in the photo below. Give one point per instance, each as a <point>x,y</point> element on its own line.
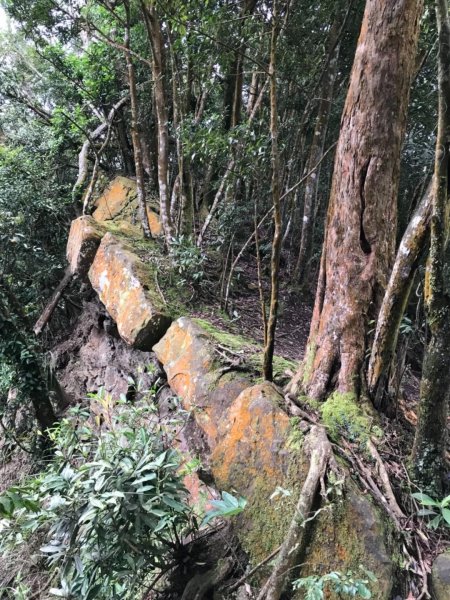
<point>436,510</point>
<point>111,500</point>
<point>188,261</point>
<point>229,506</point>
<point>346,585</point>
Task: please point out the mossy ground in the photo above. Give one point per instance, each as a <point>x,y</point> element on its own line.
<point>251,351</point>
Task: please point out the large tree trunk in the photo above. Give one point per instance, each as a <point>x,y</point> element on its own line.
<point>361,223</point>
<point>430,440</point>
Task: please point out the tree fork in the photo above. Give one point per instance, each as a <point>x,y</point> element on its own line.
<point>396,298</point>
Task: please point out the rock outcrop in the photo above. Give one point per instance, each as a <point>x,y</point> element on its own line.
<point>440,577</point>
<point>255,450</point>
<point>118,203</point>
<point>247,442</point>
<point>95,357</point>
<point>126,287</point>
<point>195,373</point>
<point>84,239</point>
<point>125,284</point>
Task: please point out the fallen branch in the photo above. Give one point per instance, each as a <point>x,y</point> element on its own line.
<point>83,156</point>
<point>318,447</point>
<point>48,310</point>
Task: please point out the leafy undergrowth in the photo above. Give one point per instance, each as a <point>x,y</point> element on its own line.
<point>110,505</point>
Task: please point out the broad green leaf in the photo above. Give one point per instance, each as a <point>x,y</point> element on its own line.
<point>425,500</point>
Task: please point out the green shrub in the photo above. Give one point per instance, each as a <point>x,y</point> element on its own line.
<point>111,500</point>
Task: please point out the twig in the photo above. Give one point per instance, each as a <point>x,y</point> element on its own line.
<point>159,289</point>
<point>233,587</point>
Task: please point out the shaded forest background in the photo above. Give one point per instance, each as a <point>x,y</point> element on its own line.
<point>231,117</point>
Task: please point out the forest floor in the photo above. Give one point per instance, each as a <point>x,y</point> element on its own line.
<point>245,315</point>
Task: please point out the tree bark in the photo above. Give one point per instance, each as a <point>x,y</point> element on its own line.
<point>428,454</point>
<point>135,136</point>
<point>159,72</point>
<point>396,299</point>
<point>360,235</point>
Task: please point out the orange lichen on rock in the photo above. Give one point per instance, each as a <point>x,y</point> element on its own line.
<point>119,203</point>
<point>254,440</point>
<point>119,193</point>
<point>194,373</point>
<point>123,284</point>
<point>84,239</point>
<point>255,450</point>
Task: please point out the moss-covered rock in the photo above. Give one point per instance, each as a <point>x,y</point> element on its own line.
<point>258,453</point>
<point>440,577</point>
<point>250,351</point>
<point>351,534</point>
<point>255,450</point>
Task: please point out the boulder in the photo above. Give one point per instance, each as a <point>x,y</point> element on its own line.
<point>84,239</point>
<point>119,203</point>
<point>116,197</point>
<point>195,373</point>
<point>126,286</point>
<point>351,533</point>
<point>440,577</point>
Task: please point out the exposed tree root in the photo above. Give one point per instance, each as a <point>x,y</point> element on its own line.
<point>318,447</point>
<point>386,484</point>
